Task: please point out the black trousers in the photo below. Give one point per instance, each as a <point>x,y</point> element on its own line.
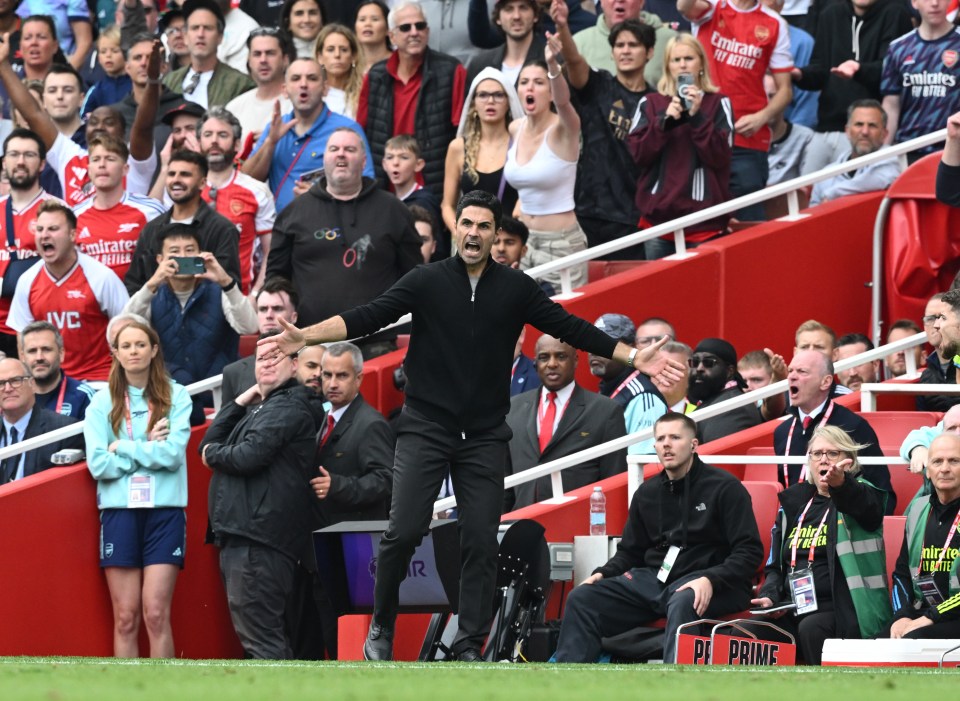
<point>810,631</point>
<point>425,451</point>
<point>618,604</point>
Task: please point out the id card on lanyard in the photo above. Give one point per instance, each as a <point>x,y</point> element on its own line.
<point>140,488</point>
<point>801,582</point>
<point>786,452</point>
<point>928,588</point>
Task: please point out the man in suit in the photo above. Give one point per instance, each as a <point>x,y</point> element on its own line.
<point>22,420</point>
<point>559,419</point>
<point>523,376</point>
<point>276,298</point>
<point>354,461</point>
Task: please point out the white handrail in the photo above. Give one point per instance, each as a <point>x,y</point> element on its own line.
<point>784,188</point>
<point>869,390</point>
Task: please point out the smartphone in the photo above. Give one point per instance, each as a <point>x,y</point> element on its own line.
<point>311,175</point>
<point>191,265</point>
<point>684,81</point>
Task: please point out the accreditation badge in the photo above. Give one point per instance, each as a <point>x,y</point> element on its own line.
<point>929,590</point>
<point>668,561</point>
<point>803,591</point>
<point>140,494</point>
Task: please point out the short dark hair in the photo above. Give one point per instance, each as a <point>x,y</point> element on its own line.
<point>481,198</point>
<point>642,32</point>
<point>285,11</point>
<point>677,416</point>
<point>906,324</point>
<point>21,133</point>
<point>46,19</point>
<point>52,205</point>
<point>498,5</point>
<point>37,327</point>
<point>191,157</point>
<point>277,284</point>
<point>65,69</point>
<point>851,339</point>
<point>952,298</point>
<point>383,8</point>
<point>145,37</point>
<point>176,231</point>
<point>284,40</point>
<point>515,227</point>
<point>867,103</point>
<point>422,214</point>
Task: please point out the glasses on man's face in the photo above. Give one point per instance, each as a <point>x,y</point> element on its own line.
<point>408,26</point>
<point>14,382</point>
<point>498,96</point>
<point>175,31</point>
<point>832,455</point>
<point>707,361</point>
<point>17,155</point>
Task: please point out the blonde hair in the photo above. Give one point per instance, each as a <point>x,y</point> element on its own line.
<point>668,84</point>
<point>843,442</point>
<point>111,34</point>
<point>355,77</point>
<point>472,131</point>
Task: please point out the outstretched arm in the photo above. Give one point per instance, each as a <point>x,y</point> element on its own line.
<point>141,132</point>
<point>38,120</point>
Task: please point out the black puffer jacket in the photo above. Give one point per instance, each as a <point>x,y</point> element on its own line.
<point>263,458</point>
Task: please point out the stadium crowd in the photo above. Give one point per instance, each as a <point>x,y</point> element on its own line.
<point>214,169</point>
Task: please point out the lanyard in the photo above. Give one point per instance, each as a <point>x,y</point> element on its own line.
<point>63,389</point>
<point>793,425</point>
<point>623,384</point>
<point>953,529</point>
<point>813,541</point>
<point>127,417</point>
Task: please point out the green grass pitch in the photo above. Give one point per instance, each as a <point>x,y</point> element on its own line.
<point>78,679</point>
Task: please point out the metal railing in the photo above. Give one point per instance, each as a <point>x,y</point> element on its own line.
<point>676,227</point>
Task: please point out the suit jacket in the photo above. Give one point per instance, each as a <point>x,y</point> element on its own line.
<point>359,457</point>
<point>43,421</point>
<point>525,377</point>
<point>589,420</point>
<point>238,377</point>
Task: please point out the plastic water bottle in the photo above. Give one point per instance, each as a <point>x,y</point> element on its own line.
<point>598,512</point>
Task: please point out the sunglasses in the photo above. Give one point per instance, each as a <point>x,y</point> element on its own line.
<point>707,361</point>
<point>410,25</point>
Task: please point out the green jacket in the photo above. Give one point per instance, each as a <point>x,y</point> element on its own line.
<point>226,83</point>
<point>594,45</point>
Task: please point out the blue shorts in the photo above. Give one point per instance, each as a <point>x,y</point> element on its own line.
<point>142,537</point>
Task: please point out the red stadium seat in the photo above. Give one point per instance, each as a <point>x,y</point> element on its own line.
<point>248,344</point>
<point>765,507</point>
<point>892,427</point>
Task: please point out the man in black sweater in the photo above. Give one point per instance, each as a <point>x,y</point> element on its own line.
<point>690,549</point>
<point>467,314</point>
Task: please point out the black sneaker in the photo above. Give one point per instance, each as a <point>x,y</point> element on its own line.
<point>470,654</point>
<point>379,644</point>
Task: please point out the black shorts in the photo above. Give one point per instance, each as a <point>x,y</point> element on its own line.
<point>142,537</point>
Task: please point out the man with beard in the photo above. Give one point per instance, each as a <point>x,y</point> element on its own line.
<point>559,419</point>
<point>895,364</point>
<point>809,379</point>
<point>215,233</point>
<point>290,149</point>
<point>269,54</point>
<point>713,379</point>
<point>867,131</point>
<point>633,391</point>
<point>515,19</point>
<point>182,120</point>
<point>41,350</point>
<point>67,158</point>
<point>243,200</point>
<point>848,346</point>
<point>110,222</point>
<point>940,368</point>
<point>24,154</point>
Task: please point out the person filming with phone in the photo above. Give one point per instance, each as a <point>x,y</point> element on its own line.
<point>826,576</point>
<point>682,139</point>
<point>196,307</point>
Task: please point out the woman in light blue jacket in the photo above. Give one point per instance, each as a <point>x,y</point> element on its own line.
<point>136,432</point>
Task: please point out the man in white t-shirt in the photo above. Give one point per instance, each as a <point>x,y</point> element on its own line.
<point>270,52</point>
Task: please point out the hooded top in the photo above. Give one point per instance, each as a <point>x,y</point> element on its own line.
<point>342,253</point>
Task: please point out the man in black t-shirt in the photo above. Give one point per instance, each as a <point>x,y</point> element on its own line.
<point>606,174</point>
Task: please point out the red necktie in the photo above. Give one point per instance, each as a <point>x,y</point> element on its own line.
<point>806,422</point>
<point>546,422</point>
<point>327,430</point>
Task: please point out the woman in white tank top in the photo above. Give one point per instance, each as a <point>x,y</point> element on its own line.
<point>542,165</point>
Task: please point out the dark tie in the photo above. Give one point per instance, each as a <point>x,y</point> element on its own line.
<point>11,464</point>
<point>546,423</point>
<point>192,84</point>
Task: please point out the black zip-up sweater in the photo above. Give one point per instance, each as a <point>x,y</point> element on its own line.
<point>462,342</point>
<point>721,536</point>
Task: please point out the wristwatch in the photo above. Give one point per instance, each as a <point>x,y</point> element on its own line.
<point>632,357</point>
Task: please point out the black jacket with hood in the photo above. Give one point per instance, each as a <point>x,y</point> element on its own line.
<point>342,253</point>
<point>843,36</point>
<point>262,459</point>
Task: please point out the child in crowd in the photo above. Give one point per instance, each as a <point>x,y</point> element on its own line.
<point>403,165</point>
<point>116,84</point>
<point>425,223</point>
